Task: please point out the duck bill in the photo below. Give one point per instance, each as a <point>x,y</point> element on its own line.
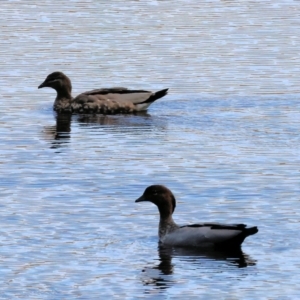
<point>141,199</point>
<point>42,85</point>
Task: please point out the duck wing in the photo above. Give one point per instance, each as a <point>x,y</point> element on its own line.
<point>120,94</point>
<point>105,91</point>
<point>210,234</point>
<point>114,100</point>
<point>217,225</point>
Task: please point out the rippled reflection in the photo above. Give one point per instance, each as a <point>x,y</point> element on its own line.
<point>137,119</point>
<point>138,123</point>
<point>121,123</point>
<point>60,132</point>
<point>159,275</point>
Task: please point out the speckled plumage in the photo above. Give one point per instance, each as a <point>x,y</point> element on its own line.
<point>165,227</point>
<point>220,236</point>
<point>104,101</point>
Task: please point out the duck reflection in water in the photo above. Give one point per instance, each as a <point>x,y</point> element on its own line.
<point>60,132</point>
<point>137,119</point>
<point>161,277</point>
<point>136,124</point>
<point>131,124</point>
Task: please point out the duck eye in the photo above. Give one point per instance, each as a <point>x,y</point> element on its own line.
<point>155,192</point>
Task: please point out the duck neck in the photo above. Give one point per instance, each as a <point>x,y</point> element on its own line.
<point>63,98</point>
<point>166,225</point>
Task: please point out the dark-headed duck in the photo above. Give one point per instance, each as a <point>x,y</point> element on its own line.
<point>105,101</point>
<point>219,236</point>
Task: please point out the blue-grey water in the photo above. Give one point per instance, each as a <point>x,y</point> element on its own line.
<point>225,141</point>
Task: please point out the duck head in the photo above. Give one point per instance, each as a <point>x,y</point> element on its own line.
<point>162,197</point>
<point>58,81</point>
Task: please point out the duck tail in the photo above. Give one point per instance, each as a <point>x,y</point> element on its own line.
<point>236,242</point>
<point>251,231</point>
<point>156,96</point>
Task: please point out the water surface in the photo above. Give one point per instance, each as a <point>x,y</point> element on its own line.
<point>225,141</point>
